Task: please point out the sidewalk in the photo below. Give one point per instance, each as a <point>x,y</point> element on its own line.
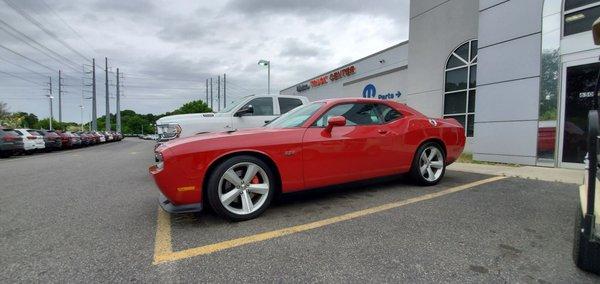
<point>528,172</point>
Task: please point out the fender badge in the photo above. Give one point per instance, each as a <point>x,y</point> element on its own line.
<point>289,153</point>
<point>433,122</point>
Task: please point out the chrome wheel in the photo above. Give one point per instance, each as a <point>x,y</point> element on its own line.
<point>243,188</point>
<point>431,164</point>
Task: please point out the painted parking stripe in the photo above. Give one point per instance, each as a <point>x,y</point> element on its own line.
<point>163,250</point>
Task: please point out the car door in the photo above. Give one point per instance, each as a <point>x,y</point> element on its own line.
<point>356,151</point>
<point>263,113</point>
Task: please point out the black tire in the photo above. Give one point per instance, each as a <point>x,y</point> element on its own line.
<point>415,172</point>
<point>212,191</point>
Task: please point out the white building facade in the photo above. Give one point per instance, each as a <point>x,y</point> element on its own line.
<point>519,75</point>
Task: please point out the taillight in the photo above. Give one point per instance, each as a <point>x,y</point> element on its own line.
<point>31,137</point>
<point>9,138</point>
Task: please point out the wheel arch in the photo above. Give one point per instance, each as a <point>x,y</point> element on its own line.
<point>434,140</point>
<point>259,155</point>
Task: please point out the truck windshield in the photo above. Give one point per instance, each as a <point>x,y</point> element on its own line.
<point>233,105</point>
<point>295,117</point>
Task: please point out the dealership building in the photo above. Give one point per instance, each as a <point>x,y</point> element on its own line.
<point>518,74</point>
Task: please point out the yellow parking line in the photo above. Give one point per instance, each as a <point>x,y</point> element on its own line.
<point>163,251</point>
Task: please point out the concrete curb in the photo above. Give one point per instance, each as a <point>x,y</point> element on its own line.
<point>528,172</point>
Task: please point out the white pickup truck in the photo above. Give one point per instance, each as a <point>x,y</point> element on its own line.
<point>248,112</point>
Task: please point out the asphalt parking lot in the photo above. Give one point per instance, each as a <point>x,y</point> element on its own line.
<point>92,215</point>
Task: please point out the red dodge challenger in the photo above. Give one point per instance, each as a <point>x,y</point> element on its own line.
<point>323,143</point>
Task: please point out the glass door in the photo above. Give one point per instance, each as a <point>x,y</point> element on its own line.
<point>578,100</point>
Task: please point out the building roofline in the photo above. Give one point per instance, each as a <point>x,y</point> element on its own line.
<point>351,63</point>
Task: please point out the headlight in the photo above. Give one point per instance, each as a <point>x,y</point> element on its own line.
<point>159,160</point>
<point>169,131</point>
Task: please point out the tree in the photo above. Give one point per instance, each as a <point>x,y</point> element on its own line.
<point>28,120</point>
<point>192,107</point>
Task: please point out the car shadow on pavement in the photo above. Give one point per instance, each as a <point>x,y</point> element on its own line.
<point>307,206</point>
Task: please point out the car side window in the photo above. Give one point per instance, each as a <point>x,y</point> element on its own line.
<point>19,132</point>
<point>355,114</point>
<point>262,106</point>
<point>388,113</point>
<point>287,104</point>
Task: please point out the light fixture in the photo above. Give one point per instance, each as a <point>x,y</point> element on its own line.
<point>267,63</point>
<point>263,62</point>
<point>573,18</point>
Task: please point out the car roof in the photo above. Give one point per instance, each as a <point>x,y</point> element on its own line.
<point>398,105</point>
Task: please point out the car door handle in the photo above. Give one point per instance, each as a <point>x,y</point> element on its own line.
<point>382,131</point>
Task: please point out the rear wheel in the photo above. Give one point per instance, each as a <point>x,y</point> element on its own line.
<point>429,165</point>
<point>241,188</point>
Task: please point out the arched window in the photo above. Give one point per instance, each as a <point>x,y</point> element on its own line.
<point>461,80</point>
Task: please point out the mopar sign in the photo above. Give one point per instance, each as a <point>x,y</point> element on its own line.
<point>371,92</point>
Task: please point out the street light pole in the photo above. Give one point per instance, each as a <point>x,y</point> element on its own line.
<point>267,63</point>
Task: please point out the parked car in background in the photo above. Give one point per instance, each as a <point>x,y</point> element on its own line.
<point>32,141</point>
<point>66,139</point>
<point>75,139</point>
<point>87,139</point>
<point>101,136</point>
<point>52,140</point>
<point>10,142</point>
<point>249,112</point>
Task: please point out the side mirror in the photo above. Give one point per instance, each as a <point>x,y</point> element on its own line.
<point>245,110</point>
<point>335,121</point>
<point>596,31</point>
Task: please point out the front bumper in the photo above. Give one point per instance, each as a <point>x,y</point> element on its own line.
<point>182,199</point>
<point>166,205</point>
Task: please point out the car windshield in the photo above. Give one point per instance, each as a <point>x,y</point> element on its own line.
<point>295,117</point>
<point>233,105</point>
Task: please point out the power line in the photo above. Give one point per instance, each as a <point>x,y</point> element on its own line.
<point>23,67</point>
<point>67,24</point>
<point>24,79</point>
<point>25,57</point>
<point>40,46</point>
<point>44,29</point>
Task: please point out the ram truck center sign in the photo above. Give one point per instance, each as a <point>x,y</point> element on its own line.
<point>334,76</point>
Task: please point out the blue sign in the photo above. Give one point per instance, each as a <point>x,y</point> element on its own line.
<point>371,92</point>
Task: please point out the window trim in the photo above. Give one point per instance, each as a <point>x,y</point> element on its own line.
<point>574,10</point>
<point>347,103</point>
<point>381,118</point>
<point>288,98</point>
<point>255,98</point>
<point>471,62</point>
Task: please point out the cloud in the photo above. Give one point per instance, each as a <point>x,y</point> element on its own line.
<point>296,49</point>
<point>168,48</point>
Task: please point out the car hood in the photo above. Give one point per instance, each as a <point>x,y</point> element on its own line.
<point>206,136</point>
<point>189,116</point>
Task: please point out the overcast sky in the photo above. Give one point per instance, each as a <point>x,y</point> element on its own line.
<point>167,49</point>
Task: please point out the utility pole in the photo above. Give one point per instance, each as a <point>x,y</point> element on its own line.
<point>59,96</point>
<point>50,97</point>
<point>107,97</point>
<point>224,90</point>
<point>94,115</point>
<point>118,104</point>
<point>81,105</point>
<point>206,101</point>
<point>219,92</point>
<point>211,96</point>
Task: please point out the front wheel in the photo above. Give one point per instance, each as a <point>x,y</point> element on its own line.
<point>241,188</point>
<point>429,164</point>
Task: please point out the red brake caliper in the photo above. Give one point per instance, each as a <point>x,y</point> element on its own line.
<point>255,180</point>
